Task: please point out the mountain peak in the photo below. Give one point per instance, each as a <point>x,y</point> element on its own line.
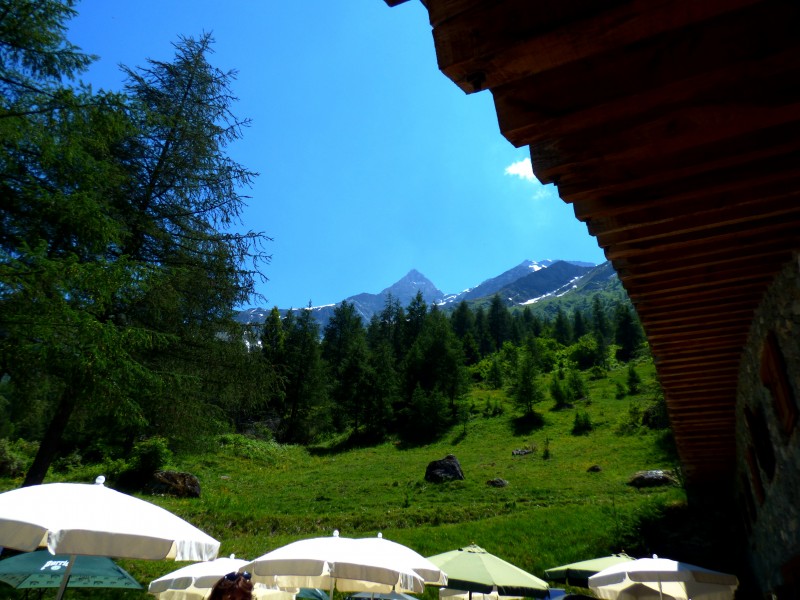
<point>406,288</point>
<point>415,275</point>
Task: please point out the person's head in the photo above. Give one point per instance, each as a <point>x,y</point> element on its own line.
<point>233,586</point>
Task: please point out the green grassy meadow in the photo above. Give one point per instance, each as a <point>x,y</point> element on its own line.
<point>258,495</point>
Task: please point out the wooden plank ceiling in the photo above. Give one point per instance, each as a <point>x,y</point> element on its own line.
<point>673,128</point>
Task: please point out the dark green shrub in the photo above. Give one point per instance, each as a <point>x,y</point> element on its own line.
<point>634,381</point>
<point>16,457</point>
<point>147,457</point>
<point>150,455</point>
<point>582,424</point>
<point>632,422</point>
<point>11,463</point>
<point>68,463</point>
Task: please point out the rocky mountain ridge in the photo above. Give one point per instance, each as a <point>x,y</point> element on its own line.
<point>526,283</point>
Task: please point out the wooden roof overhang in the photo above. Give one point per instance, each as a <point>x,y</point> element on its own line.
<point>673,129</point>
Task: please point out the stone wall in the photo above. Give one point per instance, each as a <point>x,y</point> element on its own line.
<point>768,437</point>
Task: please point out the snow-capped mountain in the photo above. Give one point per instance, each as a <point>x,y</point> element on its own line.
<point>526,283</point>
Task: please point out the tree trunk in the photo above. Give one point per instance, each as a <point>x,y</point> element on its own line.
<point>52,438</point>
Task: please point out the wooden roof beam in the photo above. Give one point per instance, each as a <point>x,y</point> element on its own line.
<point>492,43</point>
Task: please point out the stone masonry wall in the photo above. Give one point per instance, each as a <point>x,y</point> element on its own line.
<point>768,445</point>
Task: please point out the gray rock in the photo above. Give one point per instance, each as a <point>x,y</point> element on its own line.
<point>652,478</point>
<point>446,469</point>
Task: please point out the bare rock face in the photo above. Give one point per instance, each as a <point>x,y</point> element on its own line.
<point>652,478</point>
<point>175,483</point>
<point>446,469</point>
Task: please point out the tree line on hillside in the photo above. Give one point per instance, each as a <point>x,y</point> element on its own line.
<point>405,372</point>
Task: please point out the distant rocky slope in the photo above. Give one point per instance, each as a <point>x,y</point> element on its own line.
<point>527,283</point>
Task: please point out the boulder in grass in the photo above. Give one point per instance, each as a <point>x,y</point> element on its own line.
<point>652,478</point>
<point>175,483</point>
<point>446,469</point>
<point>497,482</point>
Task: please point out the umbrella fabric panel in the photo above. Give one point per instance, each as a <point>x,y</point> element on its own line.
<point>584,569</point>
<point>660,569</point>
<point>74,518</point>
<point>43,570</point>
<point>334,561</point>
<point>200,575</point>
<point>400,554</point>
<point>194,582</point>
<point>647,576</point>
<point>636,591</point>
<point>671,590</point>
<point>473,569</point>
<point>260,592</point>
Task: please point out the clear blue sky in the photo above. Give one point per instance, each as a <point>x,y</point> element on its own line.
<point>371,161</point>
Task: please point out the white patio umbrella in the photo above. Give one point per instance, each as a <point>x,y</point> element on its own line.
<point>93,520</point>
<point>334,563</point>
<point>194,582</point>
<point>662,579</point>
<point>430,573</point>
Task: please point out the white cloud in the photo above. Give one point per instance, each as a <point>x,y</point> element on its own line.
<point>521,169</point>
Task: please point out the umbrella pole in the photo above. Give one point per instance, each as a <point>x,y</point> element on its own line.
<point>65,577</point>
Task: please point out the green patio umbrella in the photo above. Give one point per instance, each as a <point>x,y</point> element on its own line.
<point>578,573</point>
<point>473,569</point>
<point>40,569</point>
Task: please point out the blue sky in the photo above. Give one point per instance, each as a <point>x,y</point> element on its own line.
<point>371,161</point>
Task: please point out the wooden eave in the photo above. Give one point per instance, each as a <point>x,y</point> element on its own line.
<point>673,129</point>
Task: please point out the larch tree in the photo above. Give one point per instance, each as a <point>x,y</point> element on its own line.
<point>119,267</point>
<point>59,181</point>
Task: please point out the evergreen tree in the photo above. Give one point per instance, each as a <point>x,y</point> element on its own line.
<point>495,377</point>
<point>344,348</point>
<point>628,333</point>
<point>435,363</point>
<point>499,322</point>
<point>561,328</point>
<point>559,392</point>
<point>601,329</point>
<point>306,411</point>
<point>576,385</point>
<point>381,391</point>
<point>273,338</point>
<point>463,320</point>
<point>579,326</point>
<point>482,334</point>
<point>388,327</point>
<point>415,320</point>
<point>470,349</point>
<point>526,391</point>
<point>633,379</point>
<point>600,324</point>
<point>63,347</point>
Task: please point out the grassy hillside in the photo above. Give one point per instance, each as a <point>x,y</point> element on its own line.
<point>259,495</point>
